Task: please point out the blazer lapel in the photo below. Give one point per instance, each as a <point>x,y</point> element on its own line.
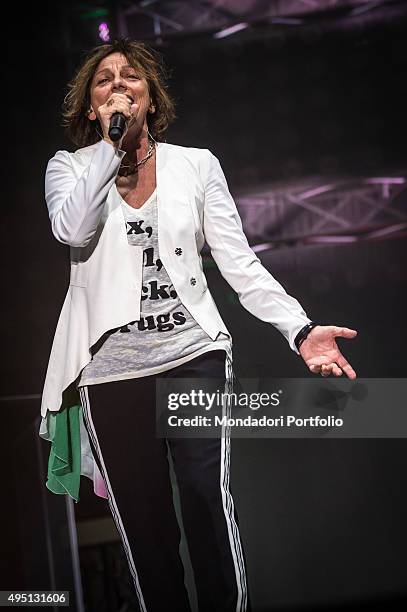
<point>175,221</point>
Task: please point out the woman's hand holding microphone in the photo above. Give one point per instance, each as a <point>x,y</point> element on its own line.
<point>116,103</point>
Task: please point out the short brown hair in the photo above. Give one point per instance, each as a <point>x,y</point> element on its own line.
<point>144,59</point>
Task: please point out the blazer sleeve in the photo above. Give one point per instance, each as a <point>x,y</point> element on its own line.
<point>75,205</point>
<point>258,291</point>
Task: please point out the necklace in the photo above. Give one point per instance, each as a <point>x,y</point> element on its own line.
<point>131,168</point>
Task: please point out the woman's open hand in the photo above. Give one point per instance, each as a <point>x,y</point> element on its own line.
<point>321,353</point>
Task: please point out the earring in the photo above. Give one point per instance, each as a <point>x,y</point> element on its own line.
<point>151,109</point>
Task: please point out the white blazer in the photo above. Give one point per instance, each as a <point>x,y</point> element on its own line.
<point>194,205</point>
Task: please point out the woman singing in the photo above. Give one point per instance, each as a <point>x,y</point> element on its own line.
<point>136,213</point>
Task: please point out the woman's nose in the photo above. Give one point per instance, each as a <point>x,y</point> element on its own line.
<point>118,82</point>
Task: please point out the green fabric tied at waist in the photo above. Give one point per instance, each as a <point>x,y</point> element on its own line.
<point>64,463</point>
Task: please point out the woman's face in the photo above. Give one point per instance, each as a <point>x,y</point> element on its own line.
<point>115,75</point>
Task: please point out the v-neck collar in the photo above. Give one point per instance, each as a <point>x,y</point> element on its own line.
<point>132,209</point>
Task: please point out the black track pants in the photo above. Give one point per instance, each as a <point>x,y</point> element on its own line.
<point>120,420</point>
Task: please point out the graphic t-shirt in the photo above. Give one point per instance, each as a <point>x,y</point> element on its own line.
<point>166,335</point>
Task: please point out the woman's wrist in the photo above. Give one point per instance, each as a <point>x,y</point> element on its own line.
<point>303,333</point>
<point>115,145</point>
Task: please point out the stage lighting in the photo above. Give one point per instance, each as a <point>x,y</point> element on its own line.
<point>104,32</point>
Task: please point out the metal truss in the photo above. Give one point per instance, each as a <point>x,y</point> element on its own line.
<point>337,208</point>
<point>166,18</point>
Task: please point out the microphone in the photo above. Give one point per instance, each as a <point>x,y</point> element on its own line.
<point>117,126</point>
